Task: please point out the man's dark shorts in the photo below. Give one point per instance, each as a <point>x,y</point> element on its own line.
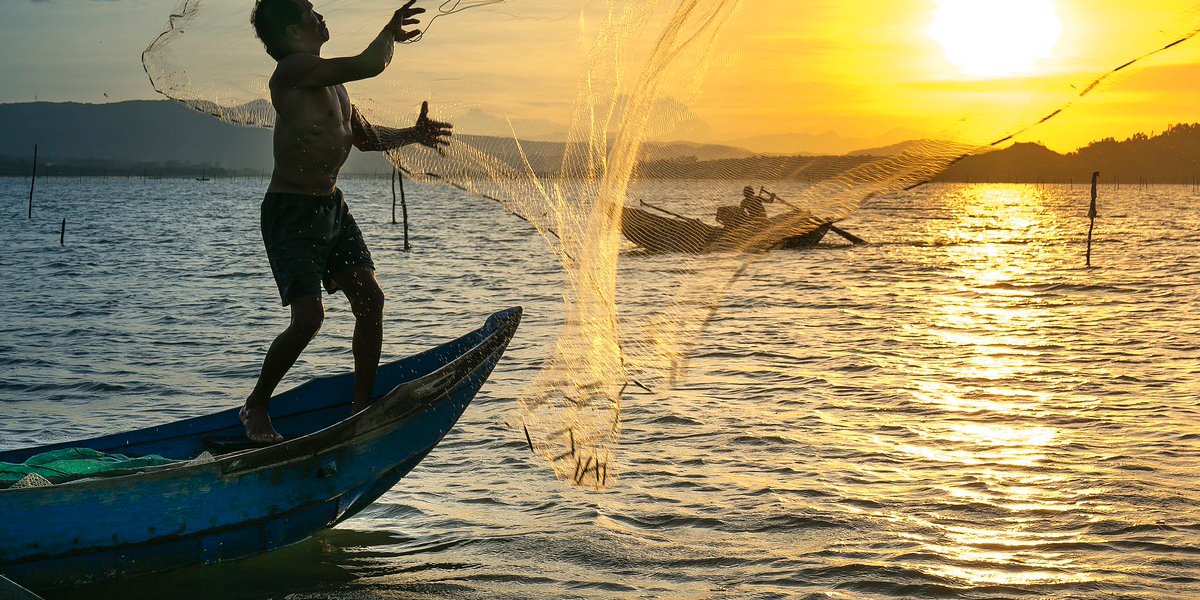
<point>310,240</point>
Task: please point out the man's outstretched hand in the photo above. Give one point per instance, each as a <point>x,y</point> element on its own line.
<point>430,133</point>
<point>404,16</point>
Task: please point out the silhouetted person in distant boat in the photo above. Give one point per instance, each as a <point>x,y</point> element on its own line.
<point>752,206</point>
<point>310,237</point>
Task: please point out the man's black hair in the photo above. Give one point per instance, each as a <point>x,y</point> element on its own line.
<point>270,20</point>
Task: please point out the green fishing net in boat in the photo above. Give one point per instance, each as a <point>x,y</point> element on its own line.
<point>71,462</point>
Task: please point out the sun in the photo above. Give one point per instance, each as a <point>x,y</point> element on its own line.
<point>992,38</point>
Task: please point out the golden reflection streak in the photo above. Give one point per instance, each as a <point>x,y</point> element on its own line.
<point>978,576</point>
<point>989,330</point>
<point>945,396</point>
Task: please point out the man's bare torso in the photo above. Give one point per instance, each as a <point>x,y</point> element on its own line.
<point>312,138</point>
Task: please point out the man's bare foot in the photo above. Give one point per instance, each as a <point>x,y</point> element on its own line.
<point>258,425</point>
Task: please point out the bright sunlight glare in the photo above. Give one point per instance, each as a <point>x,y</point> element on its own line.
<point>991,38</point>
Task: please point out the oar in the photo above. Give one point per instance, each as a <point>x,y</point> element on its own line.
<point>12,591</point>
<point>850,237</point>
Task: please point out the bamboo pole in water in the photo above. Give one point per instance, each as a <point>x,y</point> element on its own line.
<point>32,180</point>
<point>403,209</point>
<point>1092,217</point>
<point>62,234</point>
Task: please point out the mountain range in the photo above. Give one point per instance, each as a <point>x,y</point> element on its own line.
<point>164,136</point>
<point>161,134</point>
<point>1172,156</point>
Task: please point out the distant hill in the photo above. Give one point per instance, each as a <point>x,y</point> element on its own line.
<point>1172,156</point>
<point>152,135</point>
<point>679,150</point>
<point>131,135</point>
<point>894,149</point>
<point>829,143</point>
<point>753,168</point>
<point>135,131</point>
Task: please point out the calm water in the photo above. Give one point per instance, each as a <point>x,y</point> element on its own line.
<point>959,410</point>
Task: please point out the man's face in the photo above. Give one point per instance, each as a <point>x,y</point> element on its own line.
<point>313,22</point>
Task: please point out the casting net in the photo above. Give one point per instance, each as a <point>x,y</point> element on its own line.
<point>585,118</point>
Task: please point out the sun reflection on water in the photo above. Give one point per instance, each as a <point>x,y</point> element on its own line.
<point>987,420</point>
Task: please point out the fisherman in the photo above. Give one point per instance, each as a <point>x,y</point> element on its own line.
<point>752,206</point>
<point>310,236</point>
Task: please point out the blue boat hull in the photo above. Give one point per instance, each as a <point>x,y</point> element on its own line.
<point>246,501</point>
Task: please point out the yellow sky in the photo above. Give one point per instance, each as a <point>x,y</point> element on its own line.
<point>861,67</point>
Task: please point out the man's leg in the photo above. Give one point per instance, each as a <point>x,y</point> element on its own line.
<point>307,315</point>
<point>366,300</point>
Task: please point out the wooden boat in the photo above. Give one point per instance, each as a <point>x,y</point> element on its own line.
<point>250,500</point>
<point>12,591</point>
<point>658,233</point>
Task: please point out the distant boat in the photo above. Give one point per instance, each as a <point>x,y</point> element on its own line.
<point>657,233</point>
<point>201,179</point>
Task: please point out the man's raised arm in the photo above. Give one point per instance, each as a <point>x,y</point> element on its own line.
<point>426,131</point>
<point>309,70</point>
